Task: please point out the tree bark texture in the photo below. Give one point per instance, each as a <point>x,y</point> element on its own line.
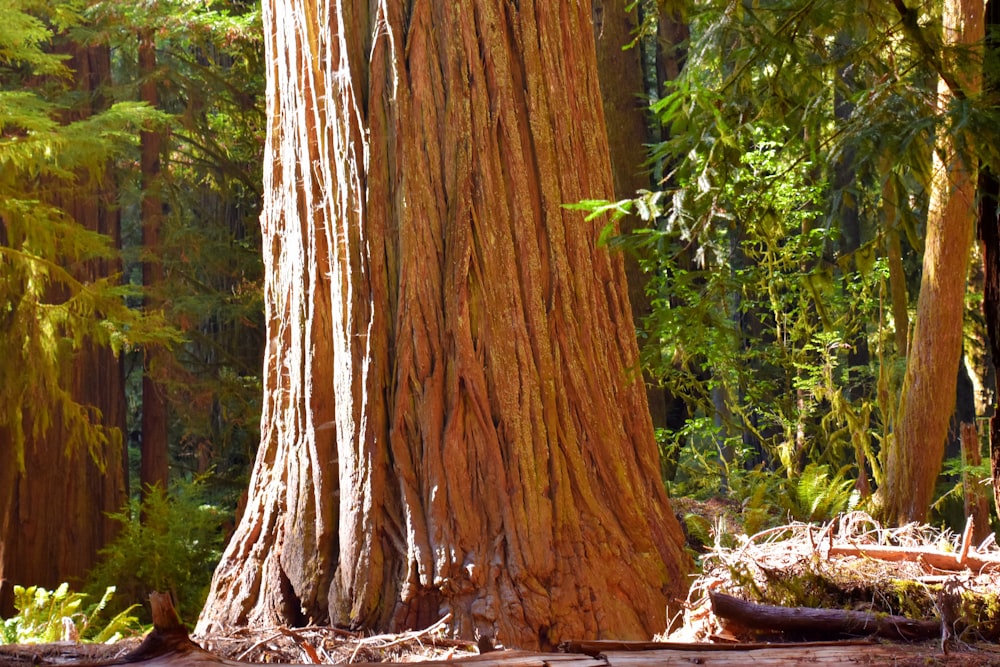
<point>53,513</point>
<point>913,460</point>
<point>975,501</point>
<point>989,237</point>
<point>154,466</point>
<point>450,421</point>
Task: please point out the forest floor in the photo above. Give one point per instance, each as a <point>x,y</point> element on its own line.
<point>916,585</point>
<point>917,595</point>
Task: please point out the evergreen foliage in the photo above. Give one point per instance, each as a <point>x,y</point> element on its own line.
<point>211,78</point>
<point>50,308</point>
<point>167,543</point>
<point>60,142</point>
<point>797,144</point>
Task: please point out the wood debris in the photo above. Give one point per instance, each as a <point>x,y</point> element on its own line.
<point>845,575</point>
<point>849,578</point>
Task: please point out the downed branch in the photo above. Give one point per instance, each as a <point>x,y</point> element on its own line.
<point>168,643</point>
<point>935,558</point>
<point>821,622</point>
<point>603,647</point>
<point>779,655</point>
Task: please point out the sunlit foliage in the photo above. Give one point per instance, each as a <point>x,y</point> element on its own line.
<point>797,147</point>
<point>56,148</point>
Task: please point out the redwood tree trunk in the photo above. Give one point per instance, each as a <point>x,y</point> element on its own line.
<point>450,424</point>
<point>53,513</point>
<point>154,463</point>
<point>913,460</point>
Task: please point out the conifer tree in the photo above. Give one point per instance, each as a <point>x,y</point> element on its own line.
<point>451,421</point>
<point>63,321</point>
<point>913,458</point>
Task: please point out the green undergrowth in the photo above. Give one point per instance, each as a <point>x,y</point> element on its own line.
<point>45,616</point>
<point>168,542</point>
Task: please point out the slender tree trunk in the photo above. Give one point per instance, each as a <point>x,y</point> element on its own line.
<point>913,460</point>
<point>989,236</point>
<point>450,425</point>
<point>989,233</point>
<point>897,291</point>
<point>53,512</point>
<point>154,464</point>
<point>852,234</point>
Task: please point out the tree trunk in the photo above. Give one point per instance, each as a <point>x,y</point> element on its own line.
<point>913,460</point>
<point>450,424</point>
<point>154,464</point>
<point>620,71</point>
<point>975,501</point>
<point>53,511</point>
<point>989,236</point>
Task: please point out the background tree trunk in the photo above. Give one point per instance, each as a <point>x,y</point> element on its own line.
<point>447,336</point>
<point>53,514</point>
<point>154,464</point>
<point>620,72</point>
<point>913,460</point>
<point>620,69</point>
<point>989,236</point>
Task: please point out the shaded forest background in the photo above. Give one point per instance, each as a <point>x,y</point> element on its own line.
<point>151,115</point>
<point>775,202</point>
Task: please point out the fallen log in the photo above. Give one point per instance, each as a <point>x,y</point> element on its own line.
<point>603,647</point>
<point>828,623</point>
<point>934,558</point>
<point>786,655</point>
<point>708,655</point>
<point>843,652</point>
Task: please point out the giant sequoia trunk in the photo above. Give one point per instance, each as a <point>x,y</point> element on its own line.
<point>913,460</point>
<point>452,422</point>
<point>53,513</point>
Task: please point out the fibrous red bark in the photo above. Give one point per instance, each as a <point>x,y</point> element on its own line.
<point>913,457</point>
<point>154,464</point>
<point>452,420</point>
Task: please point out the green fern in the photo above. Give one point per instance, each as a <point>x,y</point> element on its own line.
<point>816,496</point>
<point>45,616</point>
